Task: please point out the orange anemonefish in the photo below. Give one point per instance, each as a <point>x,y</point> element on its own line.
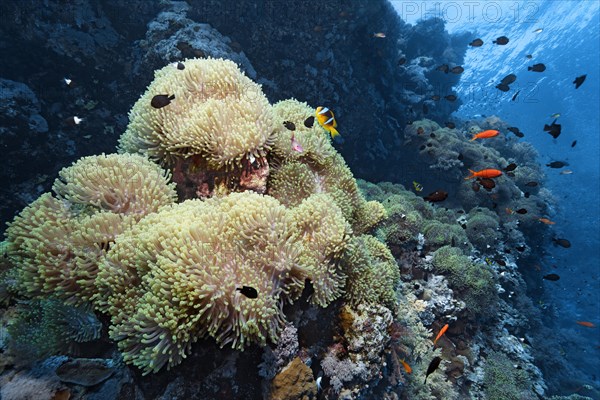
<point>327,120</point>
<point>439,335</point>
<point>485,134</point>
<point>484,173</point>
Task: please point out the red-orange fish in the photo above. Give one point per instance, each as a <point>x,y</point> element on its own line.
<point>439,335</point>
<point>490,133</point>
<point>484,173</point>
<point>407,367</point>
<point>586,324</point>
<point>546,221</point>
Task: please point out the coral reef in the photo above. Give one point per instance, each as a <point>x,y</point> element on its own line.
<point>56,243</point>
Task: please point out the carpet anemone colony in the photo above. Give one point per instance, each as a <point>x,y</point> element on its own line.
<point>225,250</point>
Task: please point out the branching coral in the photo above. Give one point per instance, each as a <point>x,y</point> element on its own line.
<point>218,114</point>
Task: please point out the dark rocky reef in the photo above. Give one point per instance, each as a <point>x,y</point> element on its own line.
<point>109,50</point>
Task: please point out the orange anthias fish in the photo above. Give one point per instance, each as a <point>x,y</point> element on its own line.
<point>484,173</point>
<point>546,221</point>
<point>586,324</point>
<point>439,335</point>
<point>407,367</point>
<point>485,134</point>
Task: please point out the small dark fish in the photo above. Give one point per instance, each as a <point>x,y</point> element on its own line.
<point>579,80</point>
<point>436,97</point>
<point>289,125</point>
<point>180,66</point>
<point>507,251</point>
<point>574,143</point>
<point>432,135</point>
<point>520,248</point>
<point>457,70</point>
<point>521,211</point>
<point>508,79</point>
<point>551,277</point>
<point>433,365</point>
<point>503,87</point>
<point>309,122</point>
<point>460,157</point>
<point>537,68</point>
<point>557,164</point>
<point>529,56</point>
<point>450,97</point>
<point>494,205</point>
<point>527,194</point>
<point>553,129</point>
<point>476,43</point>
<point>562,242</point>
<point>531,184</point>
<point>502,40</point>
<point>487,183</point>
<point>425,109</point>
<point>516,131</point>
<point>510,167</point>
<point>248,291</point>
<point>515,95</point>
<point>501,262</point>
<point>443,68</point>
<point>422,147</point>
<point>475,186</point>
<point>437,196</point>
<point>450,125</point>
<point>402,61</point>
<point>161,100</point>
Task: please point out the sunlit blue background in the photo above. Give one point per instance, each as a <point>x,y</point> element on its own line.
<point>569,47</point>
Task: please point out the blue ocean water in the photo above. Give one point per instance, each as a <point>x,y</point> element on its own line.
<point>569,46</point>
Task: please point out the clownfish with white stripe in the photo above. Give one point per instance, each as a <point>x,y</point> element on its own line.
<point>327,120</point>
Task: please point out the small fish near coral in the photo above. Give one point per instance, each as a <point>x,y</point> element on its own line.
<point>476,43</point>
<point>248,291</point>
<point>439,335</point>
<point>551,277</point>
<point>418,187</point>
<point>327,120</point>
<point>587,324</point>
<point>437,196</point>
<point>484,173</point>
<point>490,133</point>
<point>161,100</point>
<point>433,365</point>
<point>561,242</point>
<point>406,367</point>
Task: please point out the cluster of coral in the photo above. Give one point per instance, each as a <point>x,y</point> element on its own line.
<point>215,215</point>
<point>168,273</point>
